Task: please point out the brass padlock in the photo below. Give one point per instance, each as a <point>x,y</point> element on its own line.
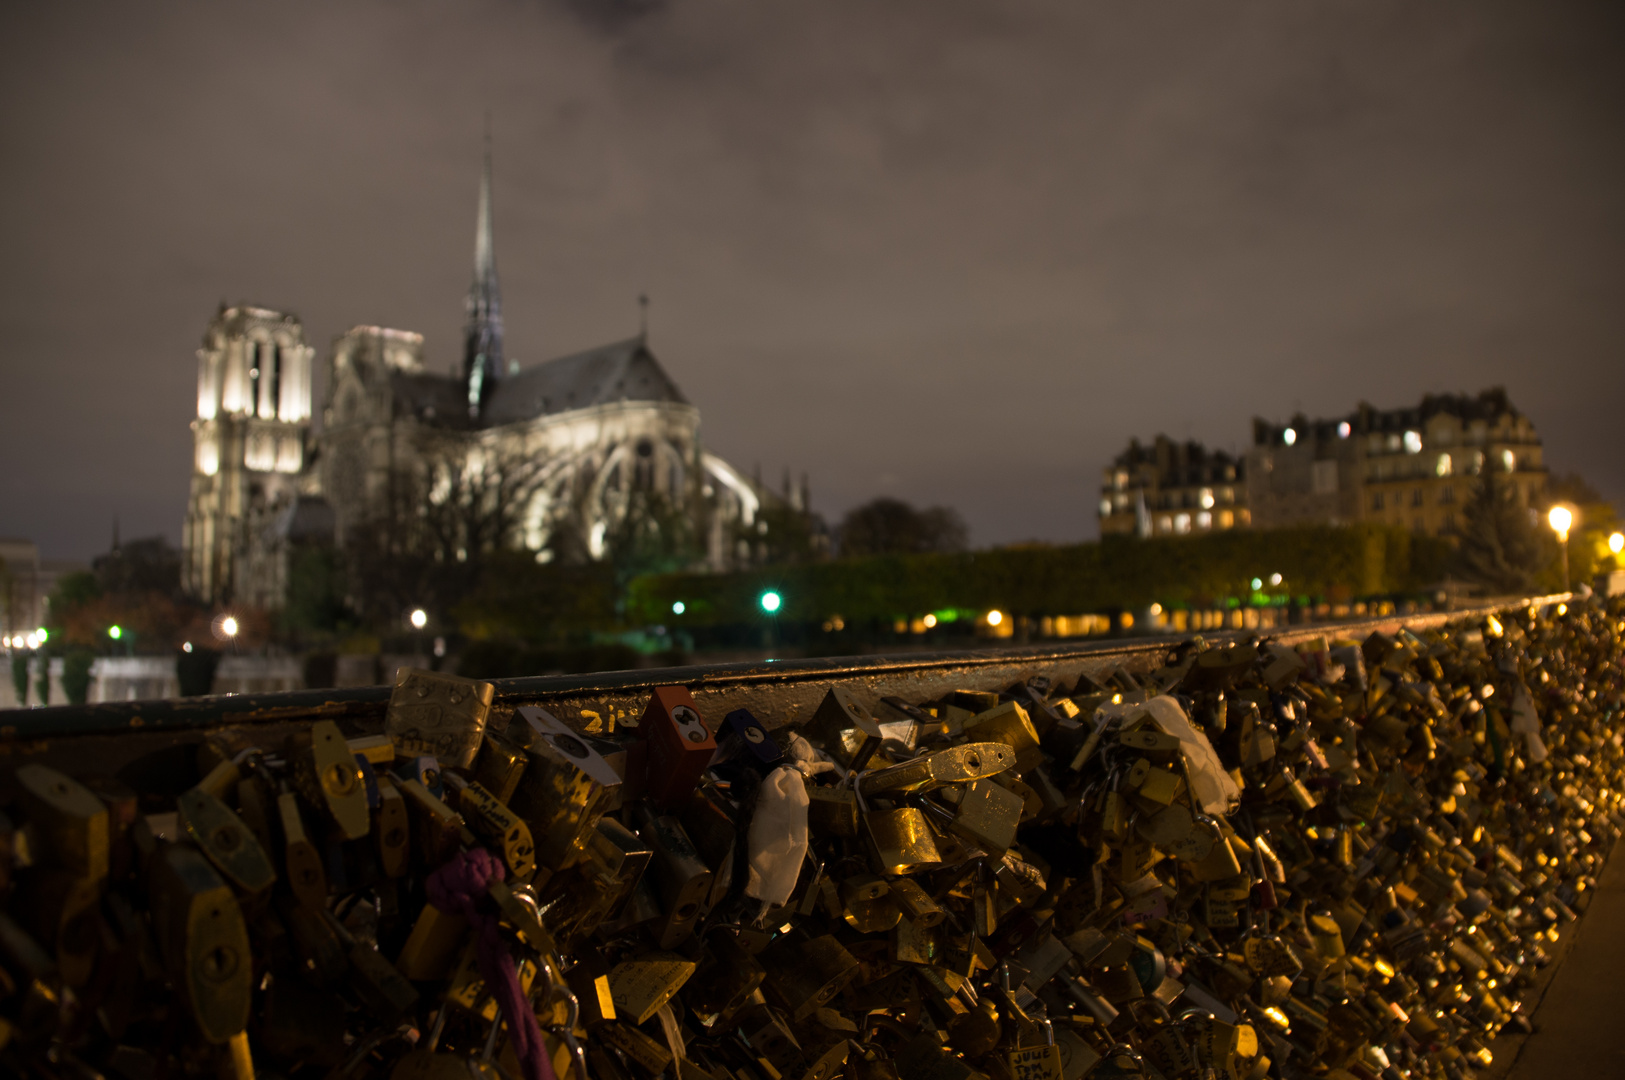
<point>641,985</point>
<point>832,810</point>
<point>724,980</point>
<point>955,765</point>
<point>681,878</point>
<point>566,788</point>
<point>865,901</point>
<point>227,842</point>
<point>393,828</point>
<point>69,822</point>
<point>804,974</point>
<point>326,775</point>
<point>437,714</point>
<point>438,829</point>
<point>203,939</point>
<point>1008,723</point>
<point>987,815</point>
<point>487,816</point>
<point>301,862</point>
<point>500,764</point>
<point>902,840</point>
<point>434,946</point>
<point>844,728</point>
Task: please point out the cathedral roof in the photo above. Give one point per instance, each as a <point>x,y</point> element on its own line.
<point>624,371</point>
<point>434,399</point>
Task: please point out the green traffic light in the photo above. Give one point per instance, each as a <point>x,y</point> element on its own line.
<point>771,601</point>
<point>115,632</point>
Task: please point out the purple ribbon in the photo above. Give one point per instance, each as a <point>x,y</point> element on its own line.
<point>458,888</point>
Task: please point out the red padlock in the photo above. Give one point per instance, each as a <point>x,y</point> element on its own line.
<point>678,746</point>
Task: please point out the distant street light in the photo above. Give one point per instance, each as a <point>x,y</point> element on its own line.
<point>678,607</point>
<point>228,626</point>
<point>771,602</point>
<point>420,618</point>
<point>115,631</point>
<point>1561,518</point>
<point>1616,542</point>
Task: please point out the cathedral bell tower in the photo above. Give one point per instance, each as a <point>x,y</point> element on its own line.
<point>482,328</point>
<point>249,439</point>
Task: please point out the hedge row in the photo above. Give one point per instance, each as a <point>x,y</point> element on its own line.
<point>1115,574</point>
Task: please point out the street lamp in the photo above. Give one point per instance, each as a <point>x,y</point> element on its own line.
<point>771,602</point>
<point>1616,542</point>
<point>115,631</point>
<point>420,618</point>
<point>228,626</point>
<point>1561,518</point>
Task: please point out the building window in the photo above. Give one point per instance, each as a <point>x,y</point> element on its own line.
<point>1376,500</point>
<point>1244,517</point>
<point>1449,521</point>
<point>1416,498</point>
<point>1105,508</point>
<point>1207,498</point>
<point>1228,494</point>
<point>1442,467</point>
<point>1204,520</point>
<point>1324,478</point>
<point>1448,494</point>
<point>1165,524</point>
<point>1226,519</point>
<point>1120,481</point>
<point>1508,461</point>
<point>1182,523</point>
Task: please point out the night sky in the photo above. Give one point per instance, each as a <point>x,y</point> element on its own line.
<point>953,252</point>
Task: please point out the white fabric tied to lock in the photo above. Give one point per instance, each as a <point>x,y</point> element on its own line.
<point>778,836</point>
<point>1526,722</point>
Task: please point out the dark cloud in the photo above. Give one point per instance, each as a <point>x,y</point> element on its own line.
<point>949,251</point>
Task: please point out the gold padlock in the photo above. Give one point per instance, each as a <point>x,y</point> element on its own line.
<point>203,939</point>
<point>70,823</point>
<point>327,776</point>
<point>565,789</point>
<point>499,765</point>
<point>987,815</point>
<point>902,840</point>
<point>681,878</point>
<point>437,714</point>
<point>487,816</point>
<point>228,843</point>
<point>301,862</point>
<point>955,765</point>
<point>641,985</point>
<point>392,825</point>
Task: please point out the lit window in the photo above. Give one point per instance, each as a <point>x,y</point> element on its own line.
<point>1207,498</point>
<point>1105,508</point>
<point>1226,519</point>
<point>1228,495</point>
<point>1182,523</point>
<point>1508,461</point>
<point>1165,524</point>
<point>1344,430</point>
<point>1204,520</point>
<point>1413,442</point>
<point>1289,436</point>
<point>1443,466</point>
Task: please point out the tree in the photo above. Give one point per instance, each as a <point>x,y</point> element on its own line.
<point>1499,546</point>
<point>892,527</point>
<point>429,540</point>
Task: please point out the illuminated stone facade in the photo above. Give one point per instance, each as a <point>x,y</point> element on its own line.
<point>1411,467</point>
<point>1170,488</point>
<point>588,430</point>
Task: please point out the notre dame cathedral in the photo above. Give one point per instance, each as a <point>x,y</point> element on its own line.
<point>586,432</point>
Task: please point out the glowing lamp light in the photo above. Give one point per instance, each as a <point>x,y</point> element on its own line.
<point>1258,583</point>
<point>771,602</point>
<point>1560,518</point>
<point>930,621</point>
<point>1616,543</point>
<point>115,631</point>
<point>678,607</point>
<point>995,617</point>
<point>41,635</point>
<point>1344,430</point>
<point>420,618</point>
<point>1289,436</point>
<point>1275,579</point>
<point>1413,442</point>
<point>186,647</point>
<point>228,626</point>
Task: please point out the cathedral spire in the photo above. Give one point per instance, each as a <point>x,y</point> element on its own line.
<point>482,329</point>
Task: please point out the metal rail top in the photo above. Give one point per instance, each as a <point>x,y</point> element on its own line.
<point>776,692</point>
